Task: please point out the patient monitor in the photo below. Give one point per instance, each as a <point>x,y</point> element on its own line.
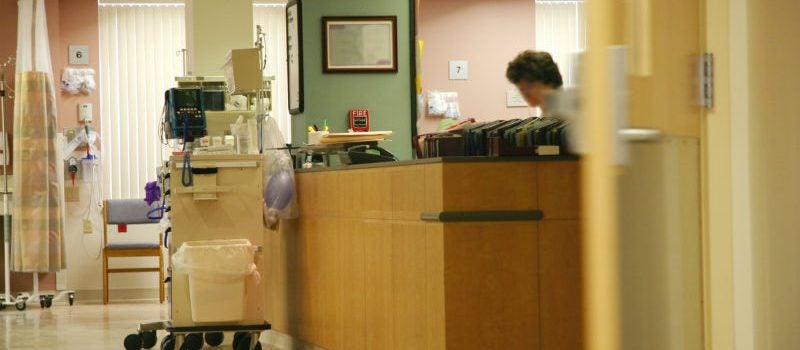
<point>185,113</point>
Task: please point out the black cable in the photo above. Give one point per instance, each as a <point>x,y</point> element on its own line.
<point>166,237</point>
<point>187,162</point>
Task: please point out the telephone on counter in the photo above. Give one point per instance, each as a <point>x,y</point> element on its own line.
<point>365,154</point>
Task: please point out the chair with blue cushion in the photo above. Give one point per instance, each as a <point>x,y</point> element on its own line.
<point>129,212</point>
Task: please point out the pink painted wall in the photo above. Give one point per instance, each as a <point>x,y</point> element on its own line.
<point>488,34</point>
<point>68,22</point>
<point>78,22</point>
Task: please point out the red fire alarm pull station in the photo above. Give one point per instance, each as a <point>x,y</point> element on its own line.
<point>359,120</point>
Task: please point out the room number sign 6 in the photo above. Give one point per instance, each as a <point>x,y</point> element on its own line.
<point>79,54</point>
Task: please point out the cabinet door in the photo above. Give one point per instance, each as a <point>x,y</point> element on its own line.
<point>491,285</point>
<point>560,287</point>
<point>417,307</point>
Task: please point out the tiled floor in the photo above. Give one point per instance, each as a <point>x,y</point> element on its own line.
<point>79,327</point>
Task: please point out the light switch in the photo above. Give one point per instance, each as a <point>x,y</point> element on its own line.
<point>85,112</point>
<point>459,70</point>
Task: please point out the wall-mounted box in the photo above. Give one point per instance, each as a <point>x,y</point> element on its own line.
<point>243,70</point>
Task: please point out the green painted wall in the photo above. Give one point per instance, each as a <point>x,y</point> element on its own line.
<point>331,96</point>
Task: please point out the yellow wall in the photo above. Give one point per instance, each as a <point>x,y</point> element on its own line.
<point>774,52</point>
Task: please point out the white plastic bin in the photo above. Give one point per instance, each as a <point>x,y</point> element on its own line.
<point>217,272</point>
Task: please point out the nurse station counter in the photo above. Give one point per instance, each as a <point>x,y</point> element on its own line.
<point>442,253</point>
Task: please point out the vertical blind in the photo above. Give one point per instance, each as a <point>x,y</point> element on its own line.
<point>561,30</point>
<point>139,45</point>
<point>272,19</point>
<point>138,62</point>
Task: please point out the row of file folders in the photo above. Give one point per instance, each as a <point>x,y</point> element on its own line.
<point>514,137</point>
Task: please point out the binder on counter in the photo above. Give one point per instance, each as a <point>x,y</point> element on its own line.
<point>514,137</point>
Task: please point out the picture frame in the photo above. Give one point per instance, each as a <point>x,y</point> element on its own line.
<point>294,56</point>
<point>359,44</point>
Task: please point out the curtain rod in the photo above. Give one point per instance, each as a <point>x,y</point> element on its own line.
<point>140,4</point>
<point>170,4</point>
<point>268,5</point>
<point>560,1</point>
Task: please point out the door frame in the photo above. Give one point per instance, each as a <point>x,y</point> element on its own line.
<point>726,195</point>
<point>727,227</point>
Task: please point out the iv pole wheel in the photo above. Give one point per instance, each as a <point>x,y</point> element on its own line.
<point>71,299</point>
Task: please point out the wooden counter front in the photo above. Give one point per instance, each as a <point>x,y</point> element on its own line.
<point>434,255</point>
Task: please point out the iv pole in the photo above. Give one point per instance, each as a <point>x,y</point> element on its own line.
<point>7,298</point>
<point>260,114</point>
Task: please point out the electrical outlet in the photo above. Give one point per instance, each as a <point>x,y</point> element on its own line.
<point>87,226</point>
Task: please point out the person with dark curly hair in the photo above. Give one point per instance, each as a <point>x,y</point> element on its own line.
<point>535,74</point>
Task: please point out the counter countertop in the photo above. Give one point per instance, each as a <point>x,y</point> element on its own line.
<point>442,160</point>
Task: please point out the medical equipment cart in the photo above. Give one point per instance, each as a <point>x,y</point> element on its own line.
<point>210,197</point>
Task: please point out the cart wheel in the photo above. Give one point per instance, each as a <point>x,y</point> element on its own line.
<point>214,338</point>
<point>71,299</point>
<point>133,342</point>
<point>42,302</point>
<point>237,337</point>
<point>21,305</point>
<point>149,339</point>
<point>2,305</point>
<point>168,343</point>
<point>244,343</point>
<point>193,341</point>
<point>48,302</point>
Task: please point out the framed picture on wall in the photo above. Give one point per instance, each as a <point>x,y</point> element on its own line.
<point>359,44</point>
<point>294,55</point>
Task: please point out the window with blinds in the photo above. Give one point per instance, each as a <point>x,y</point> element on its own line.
<point>139,59</point>
<point>140,45</point>
<point>561,30</point>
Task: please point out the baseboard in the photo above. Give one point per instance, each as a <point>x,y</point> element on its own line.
<point>286,342</point>
<point>95,296</point>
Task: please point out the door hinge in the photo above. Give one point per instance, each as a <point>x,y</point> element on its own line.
<point>706,84</point>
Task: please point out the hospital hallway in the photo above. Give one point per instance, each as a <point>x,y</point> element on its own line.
<point>82,326</point>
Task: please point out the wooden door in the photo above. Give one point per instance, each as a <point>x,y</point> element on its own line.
<point>642,237</point>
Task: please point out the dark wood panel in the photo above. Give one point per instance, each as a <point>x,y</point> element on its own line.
<point>559,189</point>
<point>491,286</point>
<point>560,285</point>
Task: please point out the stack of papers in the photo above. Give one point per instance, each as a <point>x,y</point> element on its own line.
<point>348,137</point>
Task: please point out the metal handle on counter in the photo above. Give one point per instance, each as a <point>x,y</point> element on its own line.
<point>640,134</point>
